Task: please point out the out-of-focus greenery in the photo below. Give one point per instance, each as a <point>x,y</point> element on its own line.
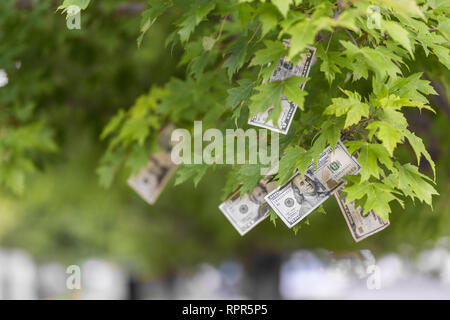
<point>64,85</point>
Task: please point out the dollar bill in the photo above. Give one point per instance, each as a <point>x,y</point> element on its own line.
<point>284,70</point>
<point>151,179</point>
<point>247,211</point>
<point>332,166</point>
<point>296,199</point>
<point>164,137</point>
<point>360,226</point>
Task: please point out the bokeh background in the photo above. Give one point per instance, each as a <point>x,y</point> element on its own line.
<point>182,247</point>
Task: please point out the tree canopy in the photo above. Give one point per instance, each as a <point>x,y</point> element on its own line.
<point>84,107</point>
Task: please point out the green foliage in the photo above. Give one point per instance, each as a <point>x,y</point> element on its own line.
<point>64,85</point>
<point>351,107</point>
<point>364,83</point>
<point>82,4</point>
<point>243,39</point>
<point>130,131</point>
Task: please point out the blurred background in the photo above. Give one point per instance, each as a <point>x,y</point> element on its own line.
<point>67,84</point>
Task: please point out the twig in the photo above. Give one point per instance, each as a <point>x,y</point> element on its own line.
<point>329,41</point>
<point>351,36</point>
<point>221,28</point>
<point>339,10</point>
<point>254,33</point>
<point>220,64</point>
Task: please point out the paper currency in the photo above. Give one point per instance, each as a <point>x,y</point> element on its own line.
<point>285,70</point>
<point>360,226</point>
<point>332,166</point>
<point>246,212</point>
<point>297,198</point>
<point>150,180</point>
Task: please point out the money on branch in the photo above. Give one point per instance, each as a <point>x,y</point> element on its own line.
<point>238,67</point>
<point>300,196</point>
<point>361,226</point>
<point>285,70</point>
<point>247,211</point>
<point>150,180</point>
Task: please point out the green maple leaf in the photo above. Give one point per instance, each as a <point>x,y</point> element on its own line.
<point>288,163</point>
<point>273,217</point>
<point>268,94</point>
<point>412,182</point>
<point>268,17</point>
<point>187,26</point>
<point>419,149</point>
<point>250,176</point>
<point>237,94</point>
<point>149,16</point>
<point>388,134</point>
<point>399,34</point>
<point>351,106</point>
<point>202,8</point>
<point>113,124</point>
<point>330,63</point>
<point>404,7</point>
<point>274,51</point>
<point>331,132</point>
<point>394,117</point>
<point>137,159</point>
<point>412,87</point>
<point>293,92</point>
<point>198,11</point>
<point>238,52</point>
<point>191,171</point>
<point>282,5</point>
<point>369,156</point>
<point>378,60</point>
<point>377,196</point>
<point>82,4</point>
<point>443,54</point>
<point>303,34</point>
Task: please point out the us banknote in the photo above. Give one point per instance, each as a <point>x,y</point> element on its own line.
<point>150,180</point>
<point>360,226</point>
<point>297,198</point>
<point>332,166</point>
<point>284,70</point>
<point>247,211</point>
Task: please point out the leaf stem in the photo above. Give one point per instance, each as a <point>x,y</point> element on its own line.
<point>221,27</point>
<point>254,33</point>
<point>351,36</point>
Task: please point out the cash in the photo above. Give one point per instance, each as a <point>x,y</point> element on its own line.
<point>284,70</point>
<point>300,196</point>
<point>150,180</point>
<point>332,166</point>
<point>247,211</point>
<point>297,198</point>
<point>360,226</point>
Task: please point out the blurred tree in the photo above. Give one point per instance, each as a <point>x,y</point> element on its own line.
<point>64,85</point>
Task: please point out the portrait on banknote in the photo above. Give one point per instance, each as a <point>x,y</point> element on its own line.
<point>247,211</point>
<point>297,198</point>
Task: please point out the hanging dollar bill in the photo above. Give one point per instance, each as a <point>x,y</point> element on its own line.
<point>247,211</point>
<point>360,226</point>
<point>285,70</point>
<point>297,198</point>
<point>150,180</point>
<point>332,166</point>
